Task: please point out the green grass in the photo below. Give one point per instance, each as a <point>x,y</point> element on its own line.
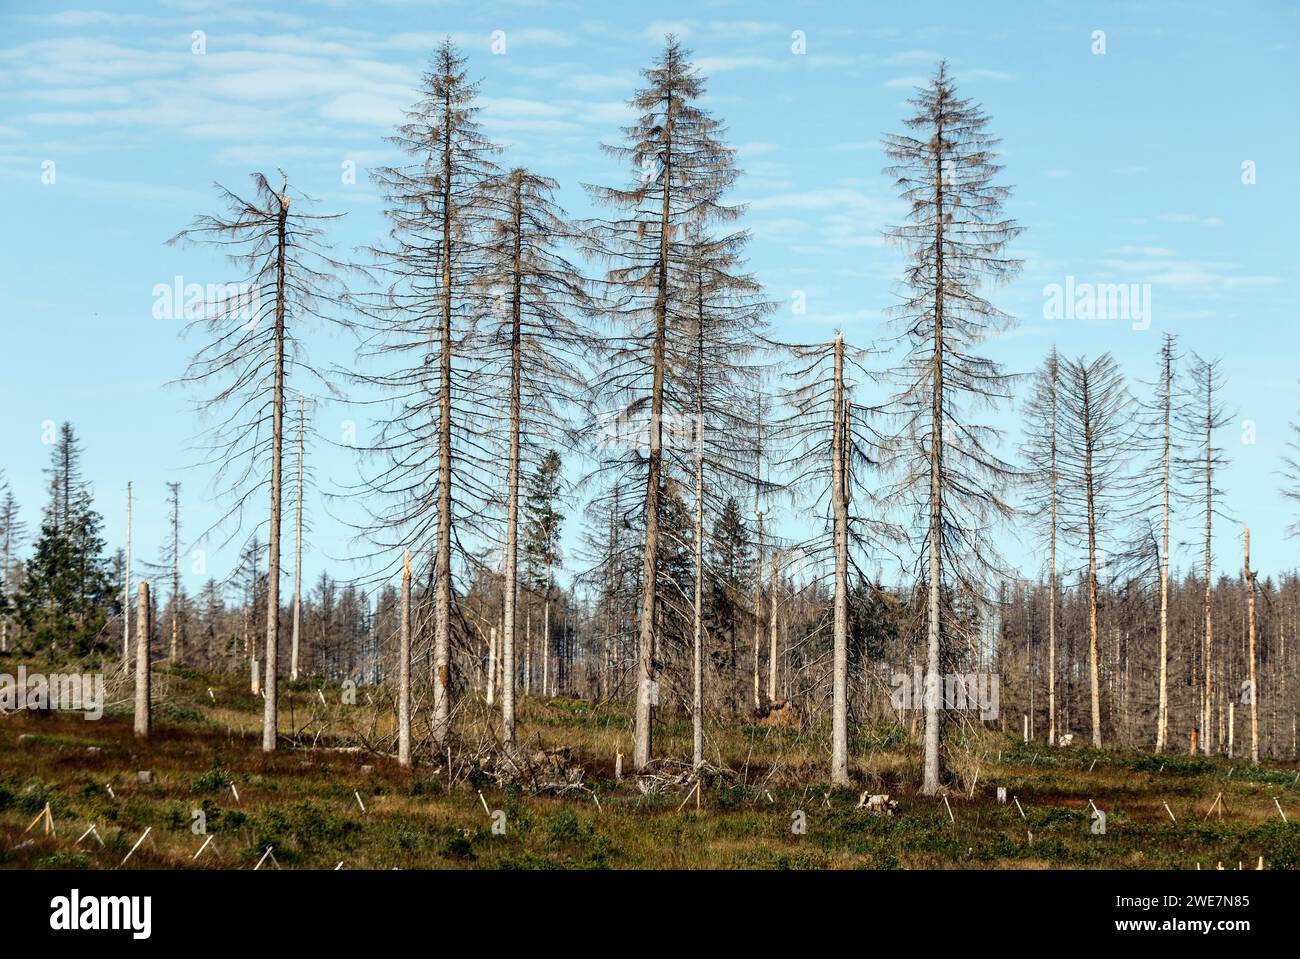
<point>303,801</point>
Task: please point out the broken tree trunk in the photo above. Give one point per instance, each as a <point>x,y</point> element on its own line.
<point>126,588</point>
<point>142,631</point>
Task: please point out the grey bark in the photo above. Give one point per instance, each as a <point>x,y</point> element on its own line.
<point>142,665</point>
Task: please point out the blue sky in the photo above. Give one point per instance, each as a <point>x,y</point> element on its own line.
<point>1127,167</point>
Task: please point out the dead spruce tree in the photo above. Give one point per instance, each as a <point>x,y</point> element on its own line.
<point>433,475</point>
<point>949,472</point>
<point>682,169</point>
<point>126,586</point>
<point>828,444</point>
<point>1096,436</point>
<point>171,567</point>
<point>610,561</point>
<point>722,311</point>
<point>253,352</point>
<point>1159,444</point>
<point>1201,415</point>
<point>530,346</point>
<point>1042,453</point>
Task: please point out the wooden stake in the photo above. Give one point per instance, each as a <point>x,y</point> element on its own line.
<point>92,831</point>
<point>148,830</point>
<point>688,796</point>
<point>1170,811</point>
<point>49,822</point>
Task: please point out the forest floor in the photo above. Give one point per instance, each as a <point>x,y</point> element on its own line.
<point>315,804</point>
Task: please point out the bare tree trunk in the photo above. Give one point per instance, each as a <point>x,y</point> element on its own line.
<point>772,669</point>
<point>546,662</point>
<point>297,548</point>
<point>1094,687</point>
<point>512,482</point>
<point>1250,652</point>
<point>142,665</point>
<point>646,652</point>
<point>490,675</point>
<point>934,637</point>
<point>548,678</point>
<point>840,505</point>
<point>697,662</point>
<point>126,590</point>
<point>1207,702</point>
<point>442,560</point>
<point>1162,709</point>
<point>176,574</point>
<point>528,652</point>
<point>404,668</point>
<point>250,654</point>
<point>270,718</point>
<point>1051,631</point>
<point>758,610</point>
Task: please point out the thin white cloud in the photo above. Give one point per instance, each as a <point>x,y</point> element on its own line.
<point>711,65</point>
<point>906,83</point>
